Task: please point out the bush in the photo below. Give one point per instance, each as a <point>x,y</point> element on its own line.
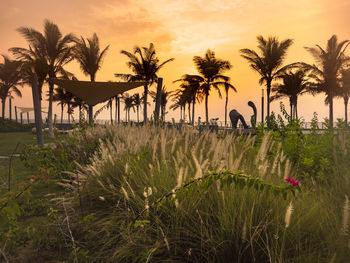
<point>7,125</point>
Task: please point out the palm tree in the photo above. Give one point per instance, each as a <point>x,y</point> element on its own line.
<point>145,66</point>
<point>88,54</point>
<point>64,98</point>
<point>345,90</point>
<point>128,104</point>
<point>269,63</point>
<point>179,102</point>
<point>210,69</point>
<point>164,97</point>
<point>137,101</point>
<point>55,49</point>
<point>227,85</point>
<point>10,78</point>
<point>327,72</point>
<point>191,86</point>
<point>294,84</point>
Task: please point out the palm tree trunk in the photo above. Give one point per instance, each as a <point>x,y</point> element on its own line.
<point>68,111</point>
<point>184,113</point>
<point>91,115</point>
<point>111,113</point>
<point>51,85</point>
<point>206,109</point>
<point>180,113</point>
<point>346,100</point>
<point>291,108</point>
<point>268,90</point>
<point>331,111</point>
<point>37,110</point>
<point>189,112</point>
<point>10,107</point>
<point>193,103</point>
<point>62,112</point>
<point>126,114</point>
<point>3,101</point>
<point>129,115</point>
<point>145,103</point>
<point>137,108</point>
<point>296,109</point>
<point>226,108</point>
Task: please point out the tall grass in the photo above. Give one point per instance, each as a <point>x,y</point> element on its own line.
<point>135,166</point>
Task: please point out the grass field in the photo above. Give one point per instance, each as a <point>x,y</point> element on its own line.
<point>8,143</point>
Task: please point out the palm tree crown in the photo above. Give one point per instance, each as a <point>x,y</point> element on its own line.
<point>145,67</point>
<point>10,78</point>
<point>210,68</point>
<point>54,48</point>
<point>269,63</point>
<point>327,71</point>
<point>87,53</point>
<point>293,84</point>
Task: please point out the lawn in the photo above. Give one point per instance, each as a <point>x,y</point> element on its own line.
<point>8,143</point>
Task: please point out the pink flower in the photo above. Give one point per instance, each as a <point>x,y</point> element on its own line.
<point>292,181</point>
<point>57,147</point>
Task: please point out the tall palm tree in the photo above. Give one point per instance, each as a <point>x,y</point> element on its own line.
<point>137,101</point>
<point>56,50</point>
<point>293,85</point>
<point>269,63</point>
<point>145,67</point>
<point>87,53</point>
<point>327,71</point>
<point>227,85</point>
<point>164,94</point>
<point>210,69</point>
<point>10,79</point>
<point>64,98</point>
<point>345,90</point>
<point>128,104</point>
<point>179,102</point>
<point>192,89</point>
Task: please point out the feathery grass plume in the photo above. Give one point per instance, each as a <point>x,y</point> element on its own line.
<point>345,224</point>
<point>264,147</point>
<point>199,172</point>
<point>179,178</point>
<point>286,170</point>
<point>162,143</point>
<point>129,186</point>
<point>173,145</point>
<point>125,193</point>
<point>288,215</point>
<point>165,239</point>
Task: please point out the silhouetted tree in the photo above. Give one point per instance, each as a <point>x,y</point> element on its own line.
<point>145,66</point>
<point>269,63</point>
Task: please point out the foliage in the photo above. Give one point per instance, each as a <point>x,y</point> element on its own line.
<point>7,125</point>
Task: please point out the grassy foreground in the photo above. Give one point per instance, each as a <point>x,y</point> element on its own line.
<point>148,194</point>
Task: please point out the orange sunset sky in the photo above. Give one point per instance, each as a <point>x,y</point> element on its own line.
<point>185,28</point>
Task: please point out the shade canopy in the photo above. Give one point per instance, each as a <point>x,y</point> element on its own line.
<point>95,92</point>
<point>25,109</point>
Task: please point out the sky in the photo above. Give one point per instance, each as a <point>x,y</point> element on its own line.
<point>182,29</point>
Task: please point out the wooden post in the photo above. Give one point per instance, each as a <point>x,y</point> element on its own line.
<point>16,113</point>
